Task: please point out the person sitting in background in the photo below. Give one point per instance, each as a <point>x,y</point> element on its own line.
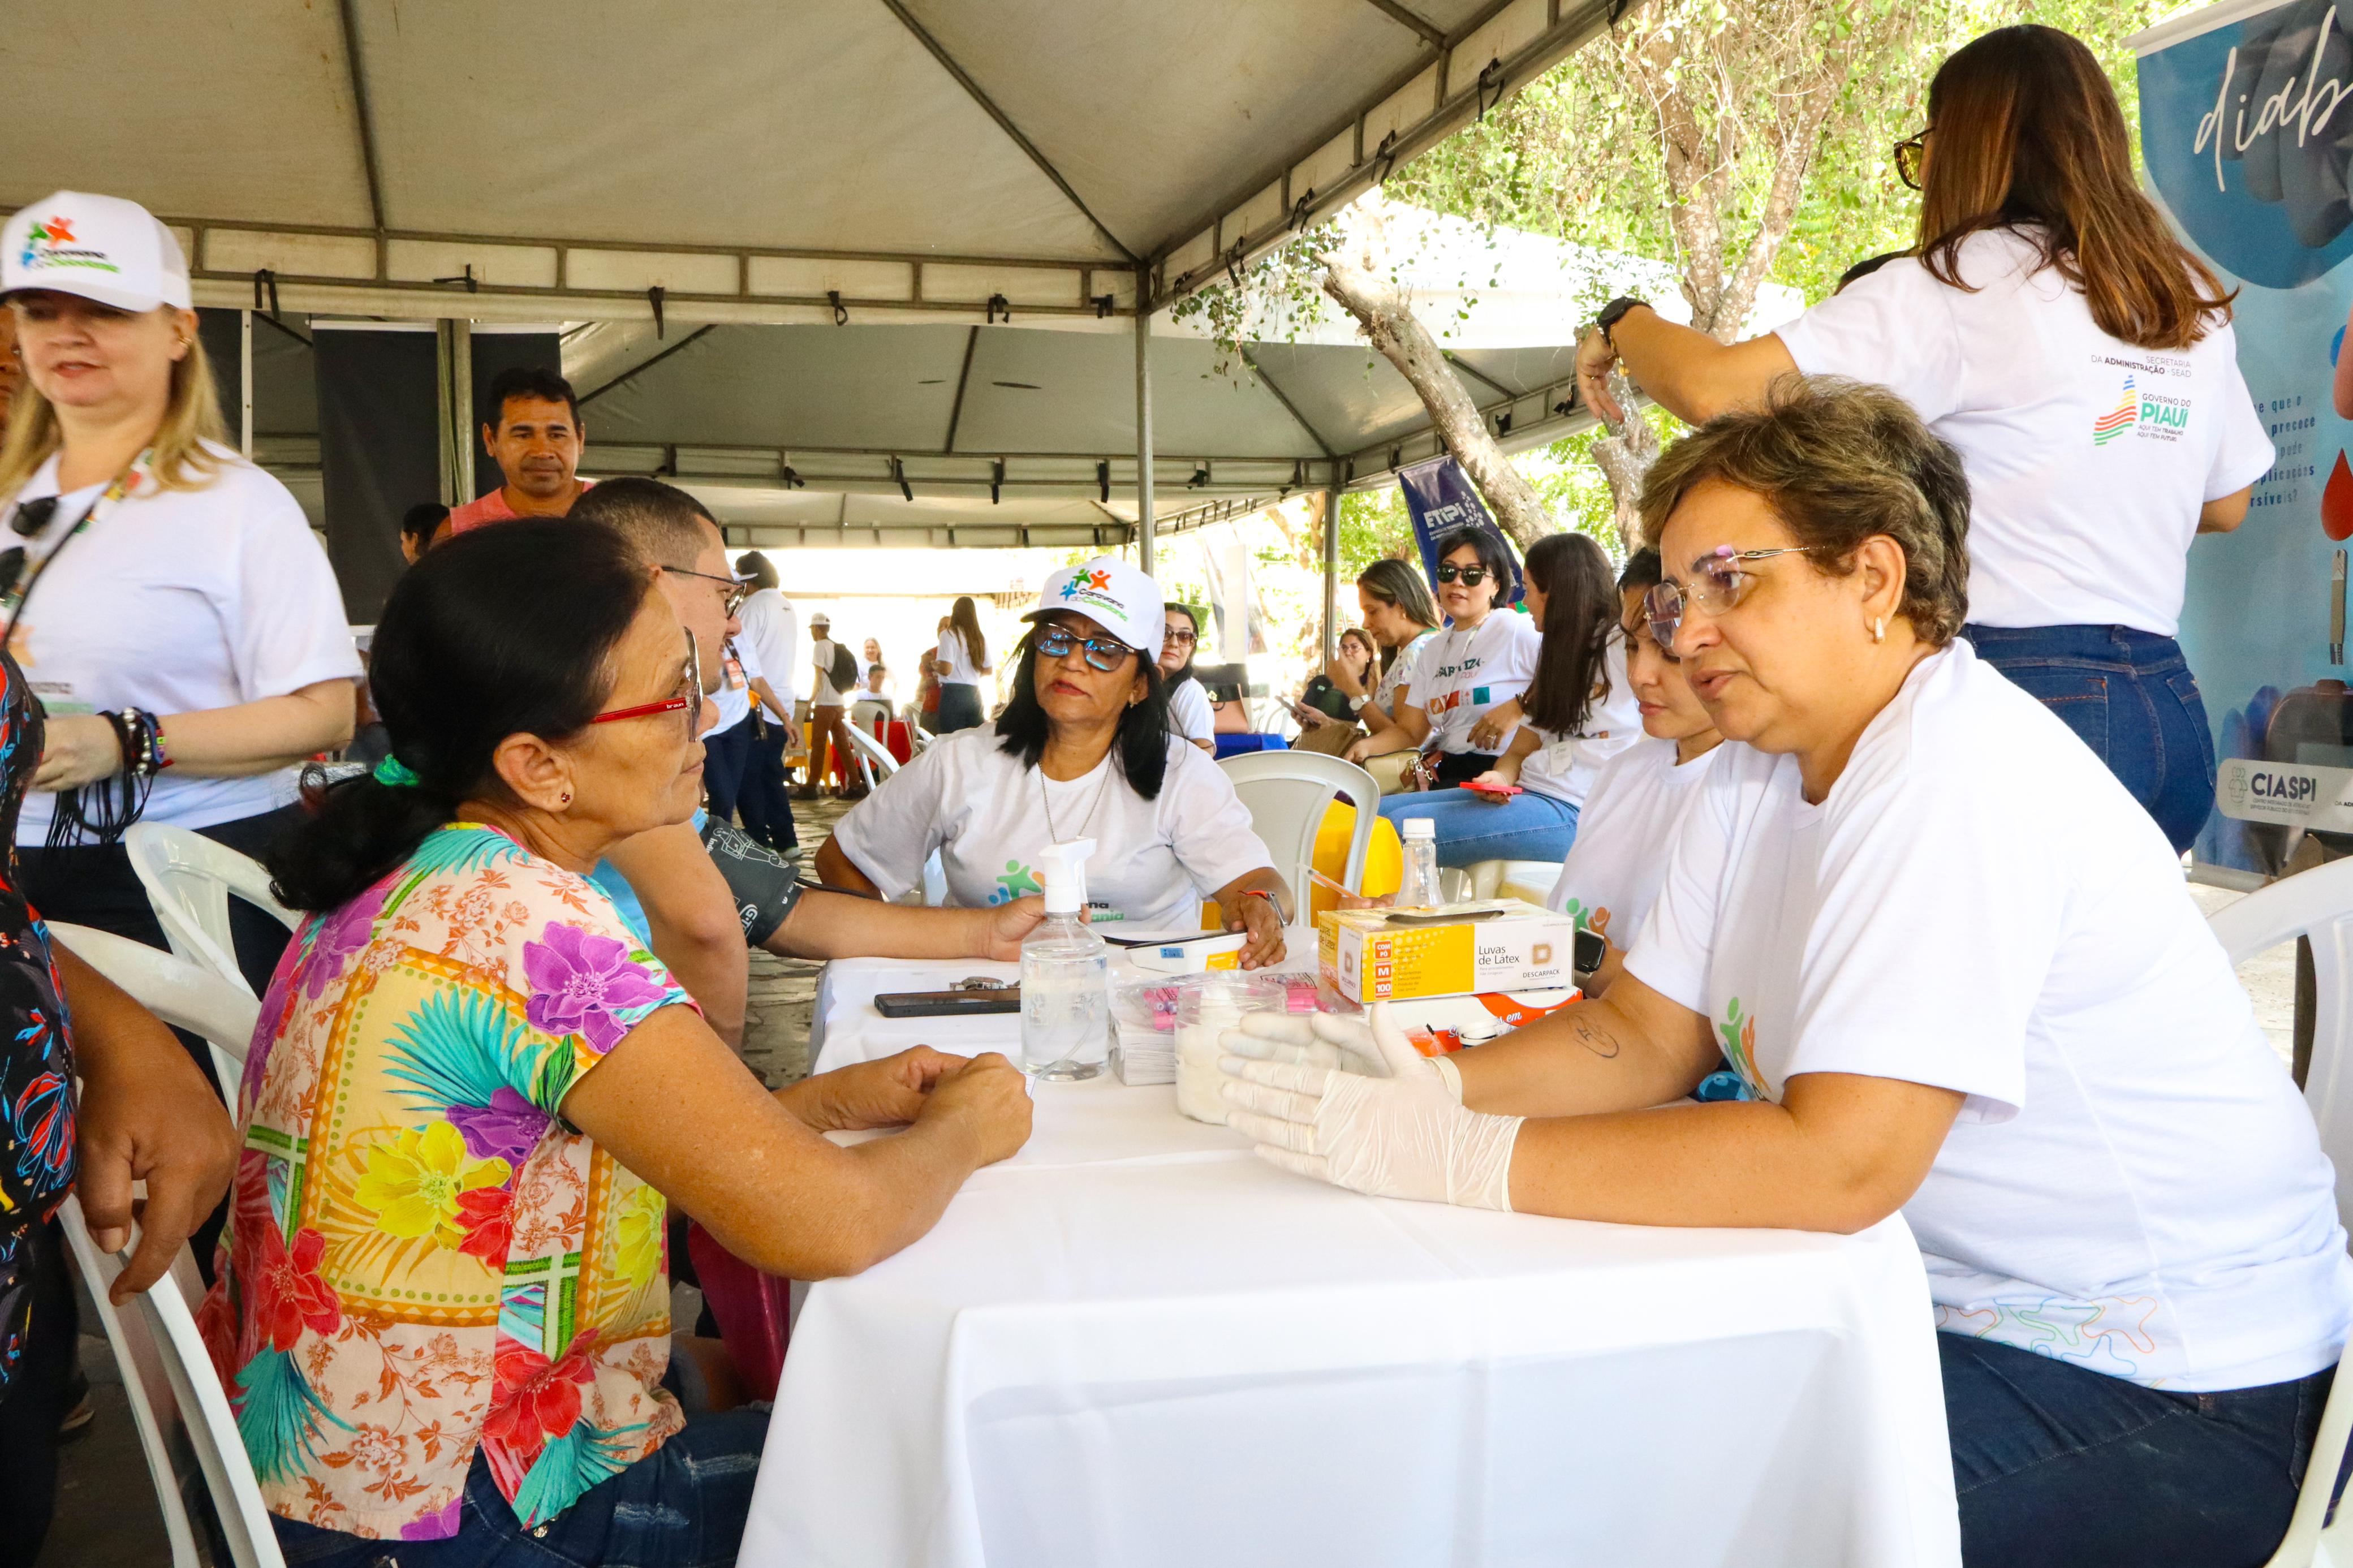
<point>1402,617</point>
<point>411,1190</point>
<point>1082,751</point>
<point>535,436</point>
<point>1635,808</point>
<point>422,526</point>
<point>1486,657</point>
<point>1578,710</point>
<point>873,709</point>
<point>1189,717</point>
<point>959,664</point>
<point>1327,718</point>
<point>1955,964</point>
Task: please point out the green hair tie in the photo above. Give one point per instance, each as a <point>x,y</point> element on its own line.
<point>392,771</point>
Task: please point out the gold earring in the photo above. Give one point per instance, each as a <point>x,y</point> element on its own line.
<point>1879,629</point>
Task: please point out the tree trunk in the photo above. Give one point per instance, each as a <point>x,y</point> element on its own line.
<point>1352,277</point>
<point>1624,455</point>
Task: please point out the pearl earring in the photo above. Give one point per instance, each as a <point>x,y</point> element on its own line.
<point>1879,629</point>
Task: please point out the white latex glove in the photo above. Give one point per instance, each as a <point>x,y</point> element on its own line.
<point>1336,1040</point>
<point>1394,1127</point>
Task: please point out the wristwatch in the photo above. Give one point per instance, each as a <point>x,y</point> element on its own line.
<point>1356,703</point>
<point>1611,314</point>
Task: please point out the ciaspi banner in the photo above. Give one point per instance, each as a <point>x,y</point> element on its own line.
<point>1439,496</point>
<point>2246,125</point>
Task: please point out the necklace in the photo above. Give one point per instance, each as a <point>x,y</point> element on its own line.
<point>1046,798</point>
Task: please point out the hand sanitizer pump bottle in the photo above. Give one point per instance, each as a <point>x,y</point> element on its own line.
<point>1065,976</point>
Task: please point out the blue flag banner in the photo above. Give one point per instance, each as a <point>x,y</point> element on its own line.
<point>1439,496</point>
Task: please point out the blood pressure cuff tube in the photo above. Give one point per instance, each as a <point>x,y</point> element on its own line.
<point>764,885</point>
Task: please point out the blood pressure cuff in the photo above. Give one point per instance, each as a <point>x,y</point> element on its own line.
<point>765,884</point>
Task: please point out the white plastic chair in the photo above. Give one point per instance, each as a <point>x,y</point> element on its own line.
<point>874,758</point>
<point>1287,793</point>
<point>189,878</point>
<point>186,995</point>
<point>1532,881</point>
<point>2318,905</point>
<point>177,1403</point>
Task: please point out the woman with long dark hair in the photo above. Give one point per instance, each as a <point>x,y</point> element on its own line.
<point>1081,751</point>
<point>1402,616</point>
<point>960,663</point>
<point>2080,360</point>
<point>1189,717</point>
<point>464,1039</point>
<point>1578,710</point>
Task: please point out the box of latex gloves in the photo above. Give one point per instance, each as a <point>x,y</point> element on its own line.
<point>1456,950</point>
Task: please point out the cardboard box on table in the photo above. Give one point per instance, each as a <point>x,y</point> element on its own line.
<point>1481,975</point>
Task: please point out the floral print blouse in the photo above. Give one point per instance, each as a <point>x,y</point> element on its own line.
<point>422,1258</point>
<point>36,1102</point>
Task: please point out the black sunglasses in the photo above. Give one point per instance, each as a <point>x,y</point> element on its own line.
<point>1911,153</point>
<point>32,519</point>
<point>1471,576</point>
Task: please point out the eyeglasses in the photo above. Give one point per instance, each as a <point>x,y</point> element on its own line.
<point>1104,654</point>
<point>1717,584</point>
<point>1471,576</point>
<point>738,588</point>
<point>690,699</point>
<point>1176,635</point>
<point>1910,155</point>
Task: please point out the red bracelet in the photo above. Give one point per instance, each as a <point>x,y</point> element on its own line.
<point>1269,897</point>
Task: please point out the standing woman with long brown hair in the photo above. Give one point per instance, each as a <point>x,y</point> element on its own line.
<point>2080,360</point>
<point>962,664</point>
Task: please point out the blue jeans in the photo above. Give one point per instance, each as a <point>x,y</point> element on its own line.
<point>2059,1464</point>
<point>725,757</point>
<point>681,1506</point>
<point>1528,826</point>
<point>960,707</point>
<point>2130,696</point>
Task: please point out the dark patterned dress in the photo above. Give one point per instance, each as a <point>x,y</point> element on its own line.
<point>37,1094</point>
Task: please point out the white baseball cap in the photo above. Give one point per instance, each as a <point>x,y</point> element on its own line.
<point>99,247</point>
<point>1121,599</point>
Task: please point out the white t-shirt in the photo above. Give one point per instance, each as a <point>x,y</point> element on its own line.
<point>1188,711</point>
<point>988,815</point>
<point>962,671</point>
<point>821,656</point>
<point>1624,835</point>
<point>771,634</point>
<point>740,665</point>
<point>1399,672</point>
<point>2087,458</point>
<point>2134,1183</point>
<point>177,602</point>
<point>1460,674</point>
<point>1563,766</point>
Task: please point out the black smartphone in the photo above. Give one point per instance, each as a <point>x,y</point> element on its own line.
<point>947,1004</point>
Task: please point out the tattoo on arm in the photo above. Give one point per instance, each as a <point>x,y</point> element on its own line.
<point>1600,1042</point>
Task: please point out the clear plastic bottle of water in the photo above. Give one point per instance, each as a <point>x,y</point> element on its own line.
<point>1065,976</point>
<point>1419,888</point>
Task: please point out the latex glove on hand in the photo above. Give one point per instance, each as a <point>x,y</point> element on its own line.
<point>1343,1041</point>
<point>1357,1106</point>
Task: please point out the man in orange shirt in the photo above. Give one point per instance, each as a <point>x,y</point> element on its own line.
<point>536,443</point>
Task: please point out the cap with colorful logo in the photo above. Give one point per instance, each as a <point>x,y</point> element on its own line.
<point>1116,596</point>
<point>99,247</point>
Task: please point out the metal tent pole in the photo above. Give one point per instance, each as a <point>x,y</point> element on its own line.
<point>1330,574</point>
<point>244,382</point>
<point>1144,419</point>
<point>454,362</point>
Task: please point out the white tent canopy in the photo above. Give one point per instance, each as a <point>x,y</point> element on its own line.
<point>906,158</point>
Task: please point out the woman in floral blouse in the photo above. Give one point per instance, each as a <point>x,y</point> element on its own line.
<point>443,1314</point>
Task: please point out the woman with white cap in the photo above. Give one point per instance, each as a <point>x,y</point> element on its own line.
<point>1081,751</point>
<point>165,597</point>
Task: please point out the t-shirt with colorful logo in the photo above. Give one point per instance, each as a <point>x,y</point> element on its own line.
<point>2088,457</point>
<point>2134,1183</point>
<point>988,815</point>
<point>422,1258</point>
<point>1462,672</point>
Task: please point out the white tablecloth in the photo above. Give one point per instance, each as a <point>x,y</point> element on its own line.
<point>1135,1343</point>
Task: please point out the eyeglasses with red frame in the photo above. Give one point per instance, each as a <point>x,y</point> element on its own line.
<point>689,701</point>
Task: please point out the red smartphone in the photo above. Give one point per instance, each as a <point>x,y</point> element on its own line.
<point>1499,791</point>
